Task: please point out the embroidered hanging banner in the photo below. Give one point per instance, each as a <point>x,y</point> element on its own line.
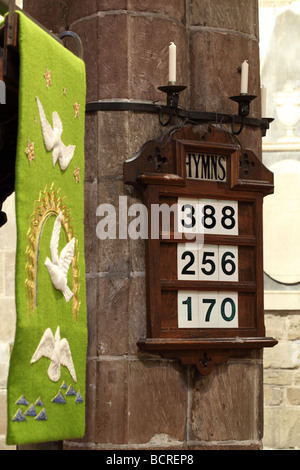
<point>46,384</point>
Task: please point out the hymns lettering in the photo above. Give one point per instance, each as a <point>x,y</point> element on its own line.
<point>206,167</point>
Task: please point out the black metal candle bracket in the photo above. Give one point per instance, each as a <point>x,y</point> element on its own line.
<point>243,101</point>
<point>172,92</point>
<point>191,116</point>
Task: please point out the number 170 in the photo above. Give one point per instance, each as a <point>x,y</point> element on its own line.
<point>207,309</point>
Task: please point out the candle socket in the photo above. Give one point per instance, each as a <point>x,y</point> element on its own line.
<point>172,91</point>
<point>243,101</point>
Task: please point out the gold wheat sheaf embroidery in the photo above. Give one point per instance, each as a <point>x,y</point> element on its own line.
<point>49,204</point>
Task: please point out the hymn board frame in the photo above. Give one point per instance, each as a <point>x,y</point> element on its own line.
<point>203,319</point>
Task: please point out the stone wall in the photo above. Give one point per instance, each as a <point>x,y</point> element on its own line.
<point>282,382</point>
<point>137,401</point>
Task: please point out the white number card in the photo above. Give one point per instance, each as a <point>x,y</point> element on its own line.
<point>207,216</point>
<point>207,309</point>
<point>207,263</point>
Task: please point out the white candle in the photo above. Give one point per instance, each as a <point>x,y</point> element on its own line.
<point>244,77</point>
<point>172,62</point>
<point>263,97</point>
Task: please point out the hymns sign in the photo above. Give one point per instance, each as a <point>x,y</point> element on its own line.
<point>203,166</point>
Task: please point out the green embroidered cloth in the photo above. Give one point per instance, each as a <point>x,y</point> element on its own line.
<point>46,384</point>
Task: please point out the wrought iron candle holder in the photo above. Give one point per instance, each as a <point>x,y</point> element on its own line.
<point>172,91</point>
<point>243,101</point>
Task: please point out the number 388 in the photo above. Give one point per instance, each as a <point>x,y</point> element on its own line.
<point>207,216</point>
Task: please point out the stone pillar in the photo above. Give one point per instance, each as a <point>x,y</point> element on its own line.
<point>135,401</point>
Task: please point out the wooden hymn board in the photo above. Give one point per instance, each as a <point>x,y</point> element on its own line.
<point>204,267</point>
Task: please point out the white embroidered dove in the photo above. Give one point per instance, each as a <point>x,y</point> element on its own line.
<point>58,351</point>
<point>52,138</point>
<point>58,266</point>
